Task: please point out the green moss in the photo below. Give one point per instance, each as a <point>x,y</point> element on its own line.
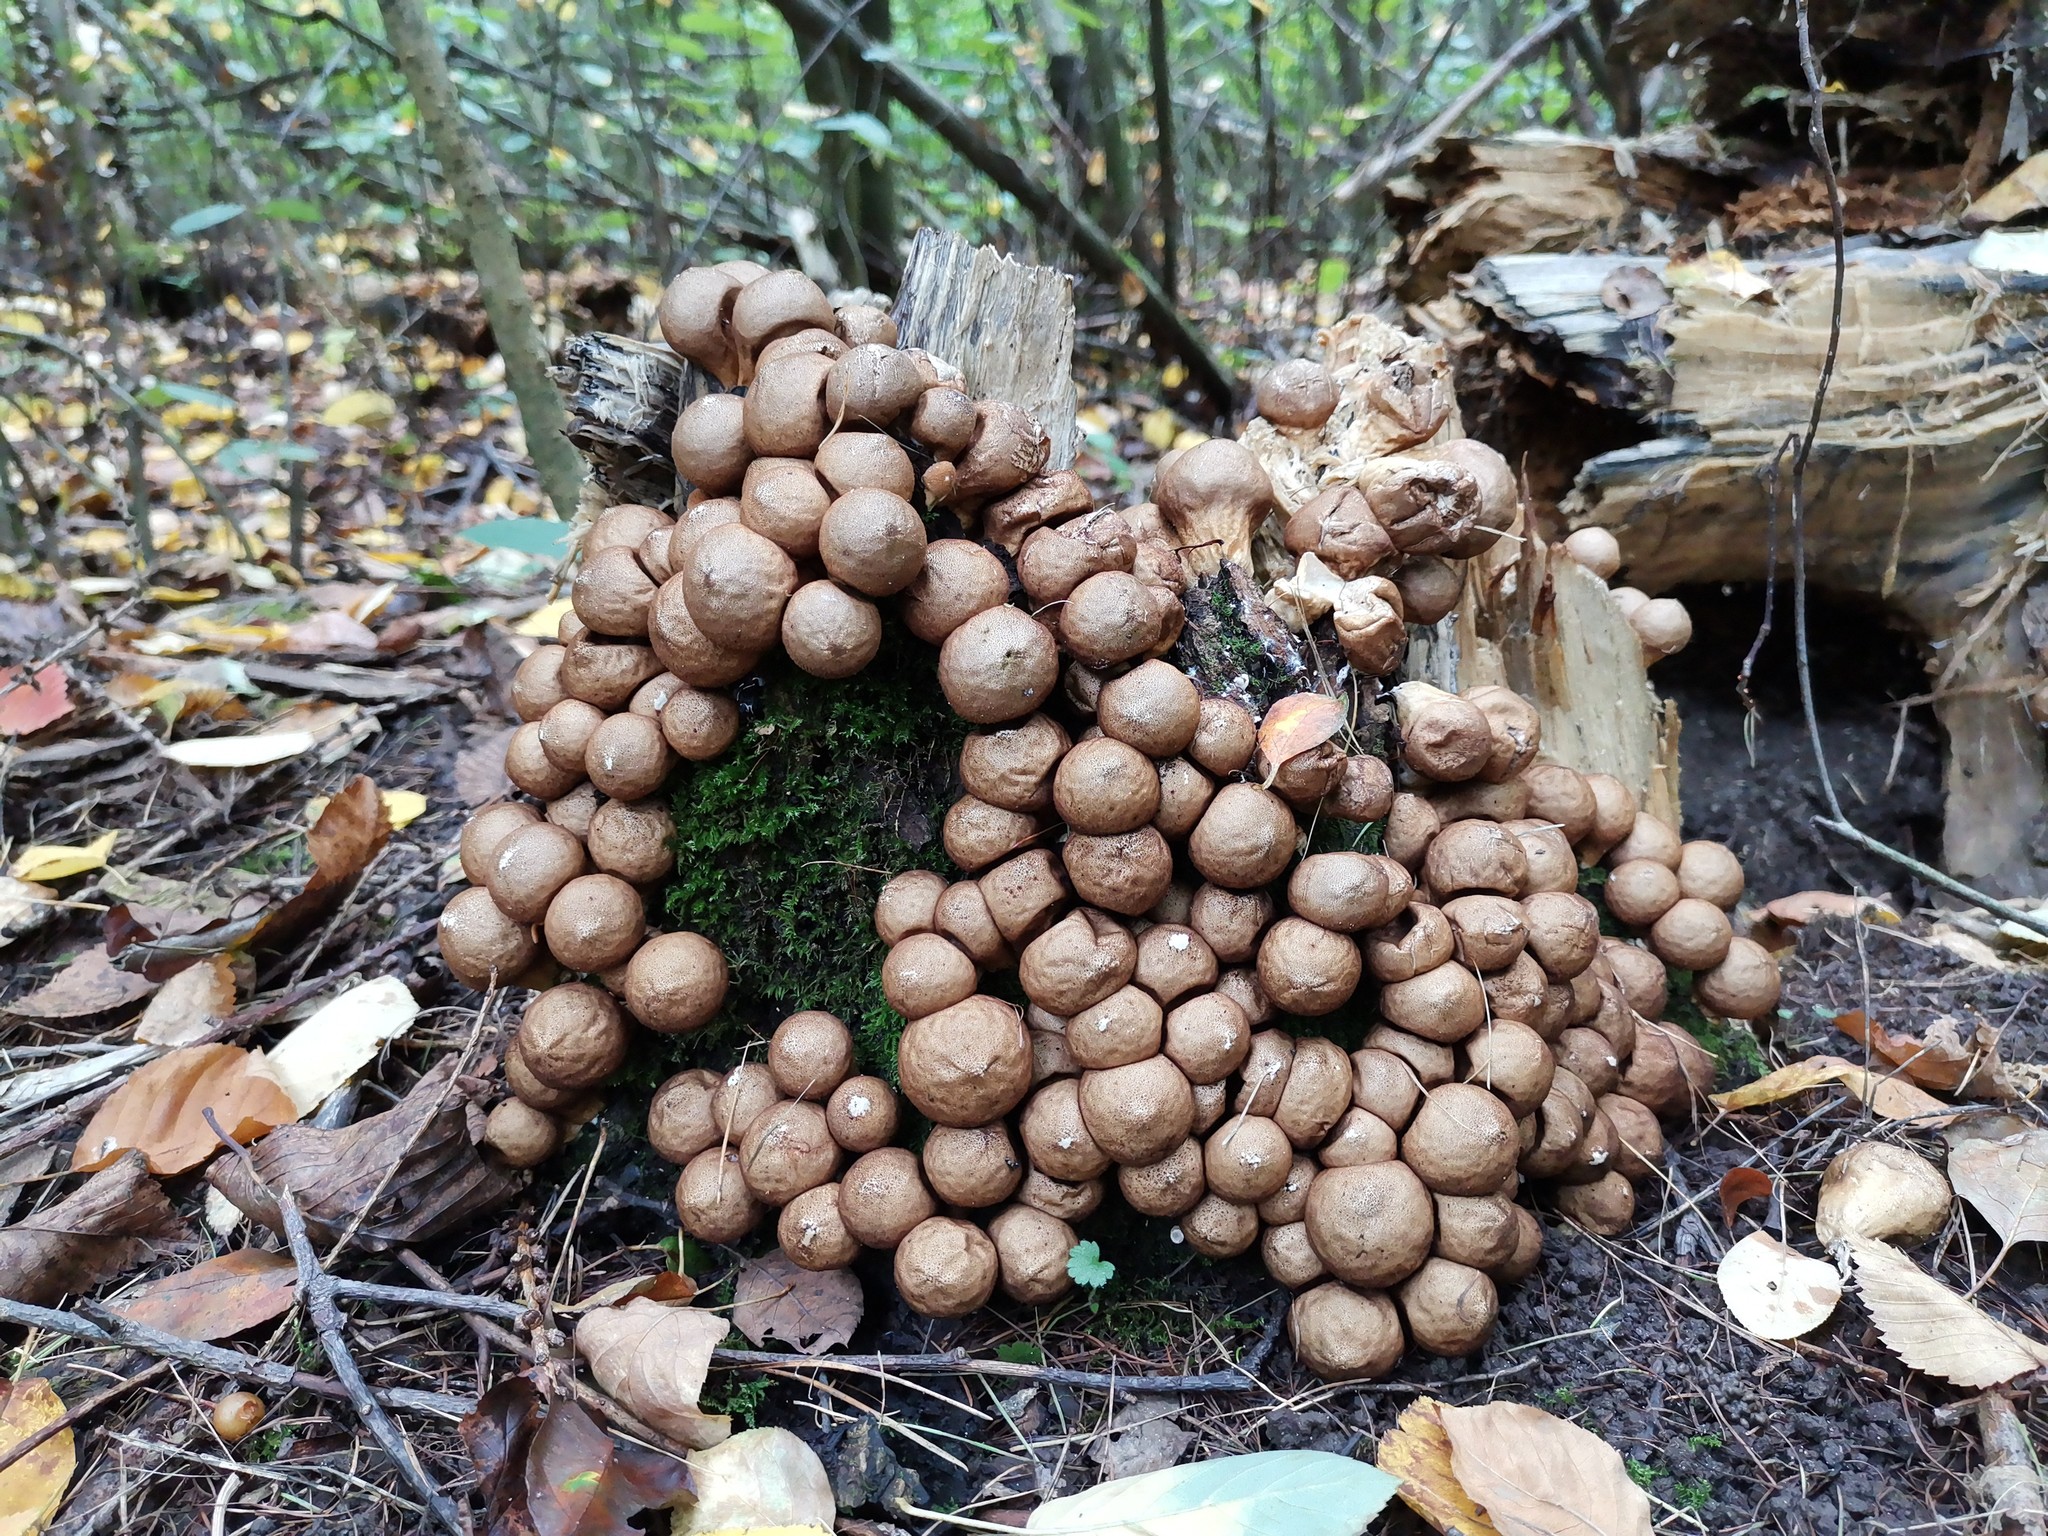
<point>783,842</point>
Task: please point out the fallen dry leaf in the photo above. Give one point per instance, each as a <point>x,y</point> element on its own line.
<point>252,751</point>
<point>190,1004</point>
<point>33,1487</point>
<point>440,1182</point>
<point>653,1359</point>
<point>1803,907</point>
<point>480,769</point>
<point>58,861</point>
<point>1877,1190</point>
<point>1739,1186</point>
<point>213,1300</point>
<point>1941,1059</point>
<point>1418,1452</point>
<point>551,1470</point>
<point>160,1111</point>
<point>90,984</point>
<point>330,630</point>
<point>351,831</point>
<point>1141,1437</point>
<point>24,906</point>
<point>1536,1475</point>
<point>665,1286</point>
<point>1886,1096</point>
<point>340,1038</point>
<point>1296,724</point>
<point>808,1309</point>
<point>760,1478</point>
<point>2007,1181</point>
<point>110,1222</point>
<point>29,706</point>
<point>1931,1328</point>
<point>1775,1292</point>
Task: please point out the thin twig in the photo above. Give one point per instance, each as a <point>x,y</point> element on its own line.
<point>79,1411</point>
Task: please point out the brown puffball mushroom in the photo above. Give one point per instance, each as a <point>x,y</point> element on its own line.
<point>957,580</point>
<point>699,724</point>
<point>1344,1334</point>
<point>1589,1056</point>
<point>810,1054</point>
<point>1479,1230</point>
<point>235,1416</point>
<point>1173,1186</point>
<point>882,1196</point>
<point>1299,394</point>
<point>1475,855</point>
<point>1640,974</point>
<point>972,1166</point>
<point>872,541</point>
<point>1174,961</point>
<point>1450,1308</point>
<point>1431,1061</point>
<point>1024,894</point>
<point>531,1090</point>
<point>694,313</point>
<point>1225,737</point>
<point>787,1150</point>
<point>572,1036</point>
<point>861,1113</point>
<point>1140,1112</point>
<point>565,733</point>
<point>1614,814</point>
<point>852,461</point>
<point>576,810</point>
<point>627,757</point>
<point>679,1122</point>
<point>1383,1085</point>
<point>709,444</point>
<point>923,973</point>
<point>536,686</point>
<point>485,830</point>
<point>1245,838</point>
<point>1218,1228</point>
<point>1013,767</point>
<point>1638,1138</point>
<point>1443,737</point>
<point>1640,891</point>
<point>712,1199</point>
<point>1745,985</point>
<point>998,665</point>
<point>774,304</point>
<point>1246,1159</point>
<point>1444,1005</point>
<point>528,767</point>
<point>871,386</point>
<point>1077,962</point>
<point>1154,708</point>
<point>1709,872</point>
<point>829,632</point>
<point>1344,892</point>
<point>1289,1256</point>
<point>735,584</point>
<point>1308,970</point>
<point>1596,549</point>
<point>908,904</point>
<point>481,945</point>
<point>813,1233</point>
<point>676,982</point>
<point>1359,1136</point>
<point>624,526</point>
<point>1663,626</point>
<point>1105,786</point>
<point>1184,794</point>
<point>977,834</point>
<point>1462,1140</point>
<point>1109,618</point>
<point>1056,1138</point>
<point>1031,1254</point>
<point>1289,1202</point>
<point>630,839</point>
<point>1564,932</point>
<point>1412,825</point>
<point>1124,1027</point>
<point>1528,1254</point>
<point>1511,1061</point>
<point>1230,922</point>
<point>521,1136</point>
<point>744,1093</point>
<point>946,1267</point>
<point>1652,838</point>
<point>612,593</point>
<point>968,1064</point>
<point>1371,1223</point>
<point>1207,1037</point>
<point>1517,731</point>
<point>1605,1206</point>
<point>1692,935</point>
<point>962,914</point>
<point>607,672</point>
<point>1316,1093</point>
<point>1125,874</point>
<point>1055,560</point>
<point>1488,930</point>
<point>686,650</point>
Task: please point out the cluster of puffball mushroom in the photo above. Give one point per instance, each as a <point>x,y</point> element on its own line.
<point>1158,947</point>
<point>1661,623</point>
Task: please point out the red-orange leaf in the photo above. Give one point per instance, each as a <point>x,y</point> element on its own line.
<point>223,1296</point>
<point>1299,723</point>
<point>1739,1186</point>
<point>159,1111</point>
<point>32,704</point>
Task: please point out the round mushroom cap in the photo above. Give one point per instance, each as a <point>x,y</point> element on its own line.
<point>810,1054</point>
<point>882,1196</point>
<point>743,1094</point>
<point>1268,1059</point>
<point>1450,1307</point>
<point>1170,1187</point>
<point>812,1232</point>
<point>1383,1084</point>
<point>908,904</point>
<point>709,443</point>
<point>1344,892</point>
<point>1443,737</point>
<point>536,686</point>
<point>1564,932</point>
<point>1360,1136</point>
<point>1345,1335</point>
<point>963,915</point>
<point>1056,1138</point>
<point>1140,1112</point>
<point>1077,962</point>
<point>1462,1141</point>
<point>735,583</point>
<point>676,982</point>
<point>1024,894</point>
<point>852,461</point>
<point>686,650</point>
<point>1124,1027</point>
<point>873,541</point>
<point>1709,872</point>
<point>829,632</point>
<point>1639,891</point>
<point>1475,856</point>
<point>1596,549</point>
<point>1412,825</point>
<point>1692,935</point>
<point>1184,794</point>
<point>1173,961</point>
<point>1219,1229</point>
<point>1553,866</point>
<point>1511,1061</point>
<point>1316,1093</point>
<point>565,733</point>
<point>1604,1206</point>
<point>1207,1037</point>
<point>972,1167</point>
<point>521,1136</point>
<point>1126,874</point>
<point>1225,737</point>
<point>1479,1230</point>
<point>1287,1203</point>
<point>787,1150</point>
<point>1298,393</point>
<point>1230,922</point>
<point>1430,1061</point>
<point>1108,618</point>
<point>923,973</point>
<point>1000,664</point>
<point>630,839</point>
<point>957,580</point>
<point>946,1268</point>
<point>1103,787</point>
<point>483,947</point>
<point>1444,1005</point>
<point>712,1199</point>
<point>572,1036</point>
<point>976,834</point>
<point>862,1114</point>
<point>679,1123</point>
<point>1649,837</point>
<point>1031,1254</point>
<point>1489,930</point>
<point>1745,985</point>
<point>627,757</point>
<point>1245,839</point>
<point>1247,1159</point>
<point>613,592</point>
<point>606,672</point>
<point>1014,767</point>
<point>968,1064</point>
<point>1371,1223</point>
<point>530,866</point>
<point>1154,708</point>
<point>1289,1256</point>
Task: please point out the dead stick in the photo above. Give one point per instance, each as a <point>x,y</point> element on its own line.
<point>72,1415</point>
<point>101,1326</point>
<point>316,1294</point>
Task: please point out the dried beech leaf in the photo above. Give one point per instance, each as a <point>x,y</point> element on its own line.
<point>1887,1097</point>
<point>221,1297</point>
<point>1775,1292</point>
<point>33,1487</point>
<point>1417,1451</point>
<point>109,1223</point>
<point>2007,1181</point>
<point>190,1004</point>
<point>553,1470</point>
<point>341,1037</point>
<point>653,1359</point>
<point>1299,723</point>
<point>160,1110</point>
<point>1931,1328</point>
<point>1739,1186</point>
<point>351,831</point>
<point>89,985</point>
<point>666,1287</point>
<point>440,1181</point>
<point>1536,1475</point>
<point>759,1480</point>
<point>1940,1058</point>
<point>809,1310</point>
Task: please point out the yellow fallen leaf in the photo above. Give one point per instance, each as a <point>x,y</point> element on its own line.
<point>1418,1452</point>
<point>1174,374</point>
<point>1187,437</point>
<point>360,408</point>
<point>402,807</point>
<point>1158,428</point>
<point>543,622</point>
<point>32,1489</point>
<point>180,595</point>
<point>54,861</point>
<point>1888,1097</point>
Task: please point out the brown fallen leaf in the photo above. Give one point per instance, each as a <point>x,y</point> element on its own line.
<point>350,832</point>
<point>1296,724</point>
<point>89,985</point>
<point>1887,1097</point>
<point>1931,1328</point>
<point>1536,1475</point>
<point>439,1182</point>
<point>653,1359</point>
<point>160,1111</point>
<point>112,1221</point>
<point>33,1487</point>
<point>552,1470</point>
<point>666,1286</point>
<point>1940,1059</point>
<point>189,1004</point>
<point>808,1309</point>
<point>1739,1186</point>
<point>480,768</point>
<point>221,1297</point>
<point>1803,907</point>
<point>2007,1181</point>
<point>1141,1437</point>
<point>1774,1292</point>
<point>761,1479</point>
<point>1418,1452</point>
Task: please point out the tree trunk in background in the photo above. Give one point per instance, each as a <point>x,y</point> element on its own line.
<point>487,231</point>
<point>1267,207</point>
<point>1120,208</point>
<point>1162,118</point>
<point>855,183</point>
<point>1613,72</point>
<point>1350,69</point>
<point>1080,70</point>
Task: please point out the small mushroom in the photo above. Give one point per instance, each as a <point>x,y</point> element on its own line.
<point>998,665</point>
<point>1031,1255</point>
<point>676,982</point>
<point>1371,1223</point>
<point>1154,708</point>
<point>1344,1334</point>
<point>1214,496</point>
<point>1450,1307</point>
<point>1298,394</point>
<point>968,1064</point>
